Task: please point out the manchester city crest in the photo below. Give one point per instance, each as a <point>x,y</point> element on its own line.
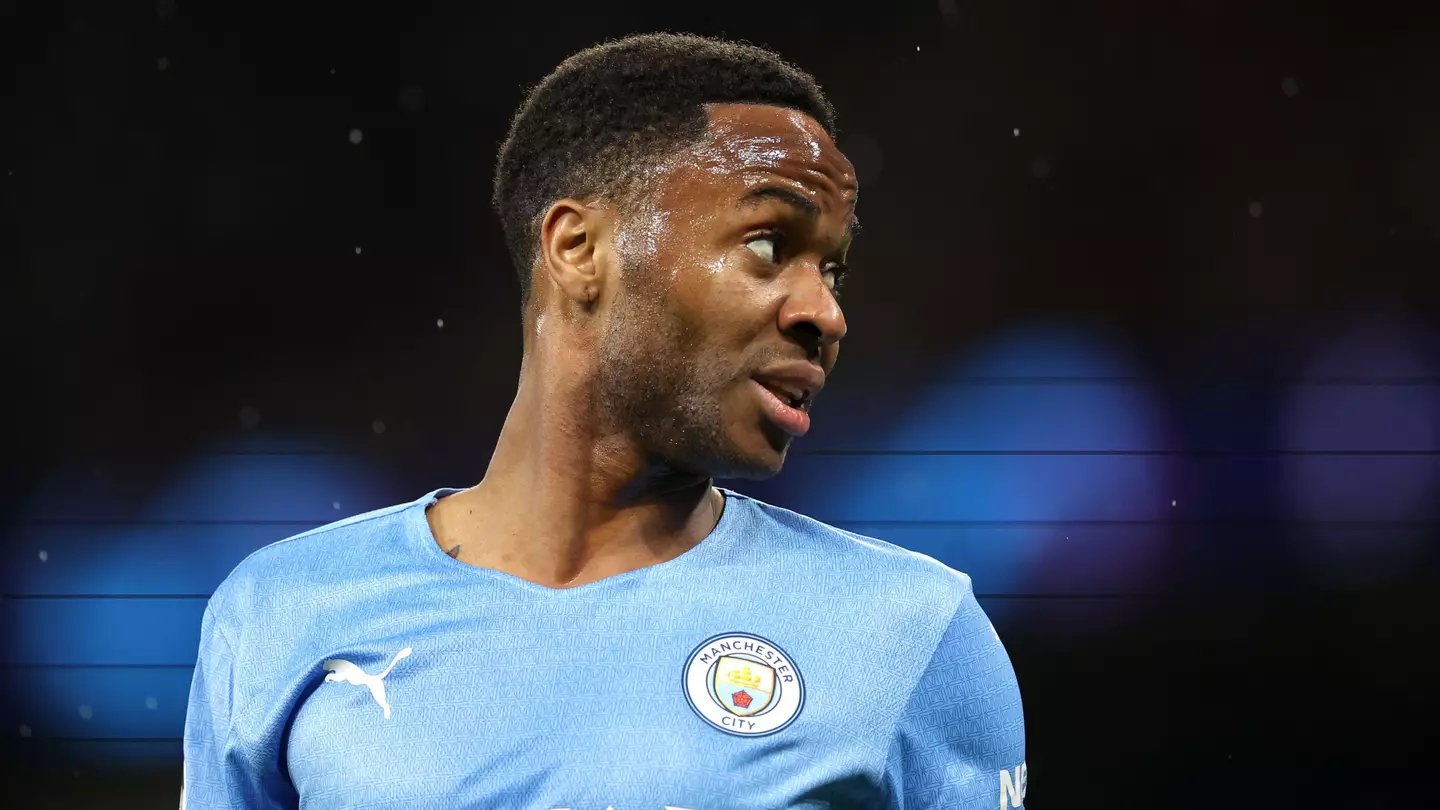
<point>743,684</point>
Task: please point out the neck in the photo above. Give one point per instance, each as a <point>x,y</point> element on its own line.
<point>565,501</point>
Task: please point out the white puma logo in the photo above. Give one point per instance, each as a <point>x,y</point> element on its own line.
<point>342,670</point>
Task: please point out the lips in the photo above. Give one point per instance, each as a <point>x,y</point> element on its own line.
<point>793,383</point>
<point>786,393</point>
<point>792,395</point>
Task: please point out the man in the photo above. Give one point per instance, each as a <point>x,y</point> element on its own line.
<point>595,625</point>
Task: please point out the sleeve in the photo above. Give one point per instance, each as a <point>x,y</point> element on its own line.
<point>216,772</point>
<point>960,742</point>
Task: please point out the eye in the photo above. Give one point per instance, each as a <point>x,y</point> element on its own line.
<point>768,246</point>
<point>770,241</point>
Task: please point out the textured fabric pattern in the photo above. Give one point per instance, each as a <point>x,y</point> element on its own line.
<point>843,672</point>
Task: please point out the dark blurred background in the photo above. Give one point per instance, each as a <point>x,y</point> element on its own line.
<point>1143,336</point>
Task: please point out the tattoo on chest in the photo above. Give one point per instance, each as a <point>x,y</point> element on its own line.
<point>454,553</point>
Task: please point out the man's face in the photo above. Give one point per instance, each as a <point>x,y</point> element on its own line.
<point>726,309</point>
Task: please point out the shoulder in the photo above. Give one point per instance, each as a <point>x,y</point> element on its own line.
<point>869,565</point>
<point>283,575</point>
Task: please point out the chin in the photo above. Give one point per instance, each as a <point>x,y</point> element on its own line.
<point>757,459</point>
<point>748,473</point>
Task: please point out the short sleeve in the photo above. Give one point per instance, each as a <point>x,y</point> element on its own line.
<point>216,772</point>
<point>960,743</point>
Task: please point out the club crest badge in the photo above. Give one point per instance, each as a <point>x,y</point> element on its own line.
<point>743,684</point>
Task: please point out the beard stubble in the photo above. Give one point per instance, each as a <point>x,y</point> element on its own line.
<point>661,382</point>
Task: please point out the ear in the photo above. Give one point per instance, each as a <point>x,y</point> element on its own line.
<point>570,250</point>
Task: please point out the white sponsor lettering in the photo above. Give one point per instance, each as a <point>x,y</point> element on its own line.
<point>1012,788</point>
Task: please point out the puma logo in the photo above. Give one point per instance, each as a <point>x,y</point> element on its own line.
<point>342,670</point>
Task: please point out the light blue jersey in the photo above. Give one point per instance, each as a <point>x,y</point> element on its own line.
<point>779,663</point>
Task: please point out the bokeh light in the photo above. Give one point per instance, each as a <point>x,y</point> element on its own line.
<point>118,568</point>
<point>1361,430</point>
<point>1024,464</point>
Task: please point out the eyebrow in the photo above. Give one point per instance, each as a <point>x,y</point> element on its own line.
<point>795,200</point>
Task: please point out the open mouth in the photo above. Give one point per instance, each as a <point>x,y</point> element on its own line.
<point>787,408</point>
<point>791,396</point>
<point>785,392</point>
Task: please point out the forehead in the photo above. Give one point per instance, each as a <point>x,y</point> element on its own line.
<point>750,145</point>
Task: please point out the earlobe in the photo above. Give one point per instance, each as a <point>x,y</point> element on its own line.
<point>568,242</point>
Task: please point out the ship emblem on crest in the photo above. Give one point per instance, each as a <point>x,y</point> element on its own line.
<point>744,687</point>
<point>743,684</point>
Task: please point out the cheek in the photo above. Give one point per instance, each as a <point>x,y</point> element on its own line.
<point>714,296</point>
<point>717,308</point>
<point>742,292</point>
<point>724,266</point>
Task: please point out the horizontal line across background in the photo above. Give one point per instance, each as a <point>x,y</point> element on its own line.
<point>108,739</point>
<point>1158,379</point>
<point>97,666</point>
<point>1120,453</point>
<point>108,522</point>
<point>851,378</point>
<point>1188,522</point>
<point>1259,452</point>
<point>18,596</point>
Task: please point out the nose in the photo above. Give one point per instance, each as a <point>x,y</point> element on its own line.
<point>810,313</point>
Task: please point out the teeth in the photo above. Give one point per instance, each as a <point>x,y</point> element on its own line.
<point>787,394</point>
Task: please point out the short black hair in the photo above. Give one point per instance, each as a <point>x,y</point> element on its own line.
<point>592,126</point>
